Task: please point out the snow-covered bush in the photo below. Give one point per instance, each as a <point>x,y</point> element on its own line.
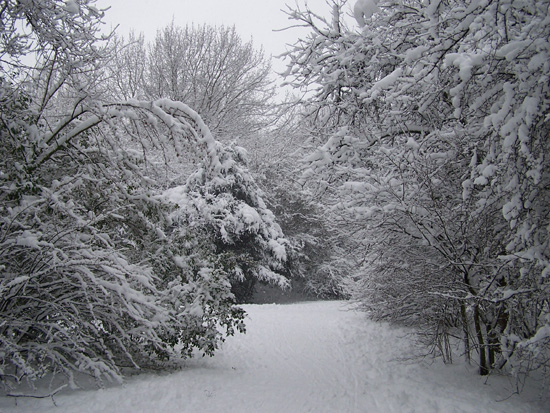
<point>438,157</point>
<point>98,270</point>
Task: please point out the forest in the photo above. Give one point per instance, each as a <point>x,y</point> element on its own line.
<point>149,188</point>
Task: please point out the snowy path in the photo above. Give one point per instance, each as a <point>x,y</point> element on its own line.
<point>310,357</point>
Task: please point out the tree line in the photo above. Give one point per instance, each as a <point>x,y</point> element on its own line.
<point>433,159</point>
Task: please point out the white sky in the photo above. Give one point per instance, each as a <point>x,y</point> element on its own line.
<point>256,19</point>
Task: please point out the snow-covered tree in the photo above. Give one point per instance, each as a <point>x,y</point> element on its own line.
<point>223,78</point>
<point>99,270</point>
<point>222,201</point>
<point>210,68</point>
<point>437,116</point>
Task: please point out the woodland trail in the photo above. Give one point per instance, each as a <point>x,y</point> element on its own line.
<point>305,357</point>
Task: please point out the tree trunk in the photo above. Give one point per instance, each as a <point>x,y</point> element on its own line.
<point>495,334</point>
<point>465,330</point>
<point>483,368</point>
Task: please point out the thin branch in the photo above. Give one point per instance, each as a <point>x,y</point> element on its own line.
<point>35,396</point>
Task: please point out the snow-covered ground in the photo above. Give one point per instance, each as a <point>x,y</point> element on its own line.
<point>307,357</point>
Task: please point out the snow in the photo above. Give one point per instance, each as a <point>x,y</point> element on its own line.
<point>389,80</point>
<point>481,180</point>
<point>72,7</point>
<point>415,53</point>
<point>465,62</point>
<point>512,49</point>
<point>489,171</point>
<point>363,10</point>
<point>28,239</point>
<point>305,357</point>
<point>411,143</point>
<point>278,248</point>
<point>542,334</point>
<point>249,216</point>
<point>18,280</point>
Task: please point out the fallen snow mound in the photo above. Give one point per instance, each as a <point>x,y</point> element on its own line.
<point>307,357</point>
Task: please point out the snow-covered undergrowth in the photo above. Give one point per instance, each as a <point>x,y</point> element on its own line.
<point>307,357</point>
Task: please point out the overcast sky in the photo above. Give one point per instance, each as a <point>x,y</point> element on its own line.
<point>256,19</point>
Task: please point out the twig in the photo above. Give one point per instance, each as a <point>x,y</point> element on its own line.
<point>17,395</point>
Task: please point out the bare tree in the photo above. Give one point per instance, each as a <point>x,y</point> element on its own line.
<point>209,68</point>
<point>127,68</point>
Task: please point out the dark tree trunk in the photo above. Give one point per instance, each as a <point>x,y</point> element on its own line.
<point>466,332</point>
<point>483,367</point>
